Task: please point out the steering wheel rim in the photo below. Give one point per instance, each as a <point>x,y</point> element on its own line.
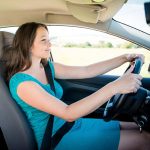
<point>114,105</point>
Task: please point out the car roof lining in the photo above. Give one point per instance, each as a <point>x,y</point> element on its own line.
<point>56,12</point>
<point>25,11</point>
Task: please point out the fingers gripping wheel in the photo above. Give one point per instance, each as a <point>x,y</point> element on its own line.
<point>115,104</point>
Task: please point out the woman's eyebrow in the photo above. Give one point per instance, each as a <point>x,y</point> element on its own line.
<point>43,36</point>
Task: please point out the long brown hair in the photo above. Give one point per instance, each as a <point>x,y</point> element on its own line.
<point>17,56</point>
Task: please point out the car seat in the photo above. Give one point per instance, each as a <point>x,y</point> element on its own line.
<point>14,125</point>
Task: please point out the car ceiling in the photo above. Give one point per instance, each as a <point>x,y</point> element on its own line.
<point>17,12</point>
<point>96,14</point>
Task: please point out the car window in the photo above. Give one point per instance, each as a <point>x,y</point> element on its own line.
<point>80,46</point>
<point>136,19</point>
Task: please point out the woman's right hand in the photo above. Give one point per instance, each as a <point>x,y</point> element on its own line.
<point>128,83</point>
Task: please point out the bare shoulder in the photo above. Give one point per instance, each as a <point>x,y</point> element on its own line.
<point>34,95</point>
<point>26,87</point>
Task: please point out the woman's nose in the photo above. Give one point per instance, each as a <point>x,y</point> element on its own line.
<point>49,44</point>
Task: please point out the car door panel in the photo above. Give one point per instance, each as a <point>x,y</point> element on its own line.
<point>78,89</point>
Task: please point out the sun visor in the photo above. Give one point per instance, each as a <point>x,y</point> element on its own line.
<point>86,13</point>
<point>92,11</point>
<point>85,1</point>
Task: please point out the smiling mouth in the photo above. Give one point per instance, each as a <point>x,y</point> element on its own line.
<point>48,50</point>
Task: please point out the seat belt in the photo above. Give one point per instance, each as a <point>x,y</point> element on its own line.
<point>50,142</point>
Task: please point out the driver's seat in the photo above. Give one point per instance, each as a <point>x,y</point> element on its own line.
<point>13,123</point>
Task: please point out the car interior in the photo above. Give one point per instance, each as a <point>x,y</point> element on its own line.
<point>13,120</point>
<point>95,14</point>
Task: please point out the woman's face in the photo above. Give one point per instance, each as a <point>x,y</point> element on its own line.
<point>41,45</point>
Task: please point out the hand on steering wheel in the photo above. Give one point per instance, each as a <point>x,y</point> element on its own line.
<point>115,104</point>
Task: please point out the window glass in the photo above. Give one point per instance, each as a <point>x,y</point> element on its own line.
<point>132,13</point>
<point>80,46</point>
<point>9,29</point>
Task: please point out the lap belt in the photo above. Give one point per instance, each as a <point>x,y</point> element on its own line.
<point>49,142</point>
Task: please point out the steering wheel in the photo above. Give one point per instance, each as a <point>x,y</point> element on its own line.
<point>115,104</point>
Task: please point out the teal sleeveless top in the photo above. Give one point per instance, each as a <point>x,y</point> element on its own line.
<point>86,133</point>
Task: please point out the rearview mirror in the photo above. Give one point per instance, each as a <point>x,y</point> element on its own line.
<point>147,12</point>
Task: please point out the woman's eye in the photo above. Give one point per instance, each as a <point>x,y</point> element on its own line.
<point>45,41</point>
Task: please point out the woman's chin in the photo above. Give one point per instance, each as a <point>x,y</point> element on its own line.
<point>46,57</point>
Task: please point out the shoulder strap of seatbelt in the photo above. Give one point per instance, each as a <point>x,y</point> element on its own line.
<point>47,142</point>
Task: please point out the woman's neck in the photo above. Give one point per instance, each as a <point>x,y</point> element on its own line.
<point>36,64</point>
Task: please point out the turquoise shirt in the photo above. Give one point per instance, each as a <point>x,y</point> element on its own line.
<point>85,134</point>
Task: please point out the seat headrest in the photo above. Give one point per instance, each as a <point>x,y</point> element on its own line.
<point>6,39</point>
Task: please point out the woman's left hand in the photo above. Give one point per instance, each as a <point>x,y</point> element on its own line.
<point>131,57</point>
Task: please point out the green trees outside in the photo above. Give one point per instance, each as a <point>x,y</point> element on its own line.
<point>101,44</point>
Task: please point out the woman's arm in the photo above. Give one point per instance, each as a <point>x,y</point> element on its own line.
<point>31,93</point>
<point>80,72</point>
<point>34,95</point>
